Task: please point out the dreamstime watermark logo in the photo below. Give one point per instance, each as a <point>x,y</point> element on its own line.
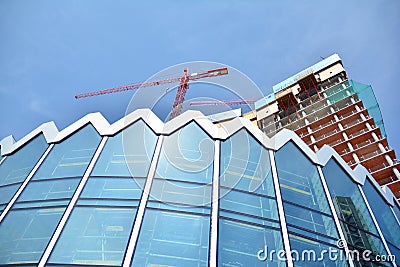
<point>341,253</point>
<point>188,153</point>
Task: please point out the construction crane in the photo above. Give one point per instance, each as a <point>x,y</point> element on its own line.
<point>222,102</point>
<point>180,96</point>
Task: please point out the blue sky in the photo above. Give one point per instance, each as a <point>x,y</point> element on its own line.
<point>52,50</point>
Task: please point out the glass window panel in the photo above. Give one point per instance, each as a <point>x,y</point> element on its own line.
<point>124,188</point>
<point>249,219</point>
<point>128,153</point>
<point>172,239</point>
<point>249,204</point>
<point>40,204</point>
<point>245,165</point>
<point>108,202</point>
<point>350,206</point>
<point>2,207</point>
<point>24,234</point>
<point>7,192</point>
<point>383,214</point>
<point>70,157</point>
<point>299,180</point>
<point>16,167</point>
<point>311,249</point>
<point>181,192</point>
<point>52,189</point>
<point>239,244</point>
<point>310,220</point>
<point>178,207</point>
<point>94,236</point>
<point>187,155</point>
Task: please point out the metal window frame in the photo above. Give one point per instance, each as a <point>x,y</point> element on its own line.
<point>25,183</point>
<point>213,249</point>
<point>1,161</point>
<point>57,233</point>
<point>282,218</point>
<point>376,223</point>
<point>334,214</point>
<point>142,205</point>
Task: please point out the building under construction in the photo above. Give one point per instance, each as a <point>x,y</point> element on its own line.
<point>324,107</point>
<point>208,190</point>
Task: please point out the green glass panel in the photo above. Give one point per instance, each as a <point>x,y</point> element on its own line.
<point>305,203</point>
<point>239,244</point>
<point>356,221</point>
<point>187,155</point>
<point>16,167</point>
<point>94,236</point>
<point>245,165</point>
<point>386,219</point>
<point>128,153</point>
<point>70,157</point>
<point>24,234</point>
<point>172,239</point>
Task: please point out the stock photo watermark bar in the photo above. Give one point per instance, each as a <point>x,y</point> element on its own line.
<point>331,254</point>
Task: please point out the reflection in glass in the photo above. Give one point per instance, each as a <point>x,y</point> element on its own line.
<point>386,220</point>
<point>305,202</point>
<point>356,222</point>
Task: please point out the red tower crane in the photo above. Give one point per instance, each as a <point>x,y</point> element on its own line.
<point>180,96</point>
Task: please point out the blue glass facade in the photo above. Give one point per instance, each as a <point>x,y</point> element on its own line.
<point>146,197</point>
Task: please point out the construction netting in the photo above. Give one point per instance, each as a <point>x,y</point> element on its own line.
<point>364,93</point>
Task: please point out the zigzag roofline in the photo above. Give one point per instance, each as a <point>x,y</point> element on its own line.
<point>52,135</point>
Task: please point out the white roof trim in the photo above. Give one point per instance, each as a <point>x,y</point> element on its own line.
<point>285,135</point>
<point>226,129</point>
<point>6,145</point>
<point>48,129</point>
<point>326,153</point>
<point>140,114</point>
<point>187,117</point>
<point>96,119</point>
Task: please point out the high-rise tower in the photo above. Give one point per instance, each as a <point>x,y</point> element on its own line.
<point>323,107</point>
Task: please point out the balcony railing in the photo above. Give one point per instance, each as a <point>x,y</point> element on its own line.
<point>388,180</point>
<point>319,138</point>
<point>364,143</point>
<point>370,155</point>
<point>350,124</point>
<point>362,131</point>
<point>334,143</point>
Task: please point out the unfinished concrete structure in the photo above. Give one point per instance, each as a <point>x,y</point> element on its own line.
<point>324,107</point>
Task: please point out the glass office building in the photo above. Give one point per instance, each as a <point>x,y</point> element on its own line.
<point>186,193</point>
